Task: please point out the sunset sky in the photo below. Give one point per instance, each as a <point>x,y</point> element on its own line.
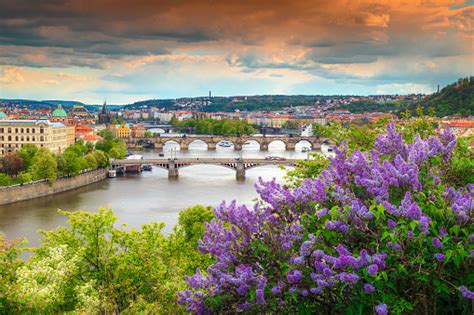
<point>135,50</point>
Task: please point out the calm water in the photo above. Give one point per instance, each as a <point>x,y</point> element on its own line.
<point>149,196</point>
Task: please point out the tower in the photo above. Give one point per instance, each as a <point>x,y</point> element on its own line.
<point>210,94</point>
<point>104,117</point>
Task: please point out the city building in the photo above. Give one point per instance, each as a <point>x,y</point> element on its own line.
<point>104,116</point>
<point>59,114</point>
<point>54,136</point>
<point>122,131</point>
<point>138,131</point>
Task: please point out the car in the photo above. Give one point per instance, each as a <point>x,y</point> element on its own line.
<point>275,158</point>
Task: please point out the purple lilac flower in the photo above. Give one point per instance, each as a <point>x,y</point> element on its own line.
<point>368,288</point>
<point>439,257</point>
<point>442,232</point>
<point>381,309</point>
<point>259,297</point>
<point>410,234</point>
<point>436,242</point>
<point>372,269</point>
<point>391,224</point>
<point>298,260</point>
<point>315,290</point>
<point>294,276</point>
<point>394,246</point>
<point>304,292</point>
<point>466,292</point>
<point>305,249</point>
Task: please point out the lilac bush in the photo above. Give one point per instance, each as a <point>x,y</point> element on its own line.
<point>380,231</point>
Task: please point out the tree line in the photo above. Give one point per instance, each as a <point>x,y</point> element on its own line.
<point>31,163</point>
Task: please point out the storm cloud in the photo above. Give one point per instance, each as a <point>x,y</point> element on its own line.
<point>285,46</point>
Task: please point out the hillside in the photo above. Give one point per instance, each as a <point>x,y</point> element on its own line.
<point>454,99</point>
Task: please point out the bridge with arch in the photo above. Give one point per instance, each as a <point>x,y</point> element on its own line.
<point>173,165</point>
<point>213,141</point>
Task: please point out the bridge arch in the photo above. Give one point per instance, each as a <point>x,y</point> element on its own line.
<point>171,141</point>
<point>251,143</point>
<point>198,142</point>
<point>276,141</point>
<point>305,142</point>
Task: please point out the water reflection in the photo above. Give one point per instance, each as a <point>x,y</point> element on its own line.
<point>149,196</point>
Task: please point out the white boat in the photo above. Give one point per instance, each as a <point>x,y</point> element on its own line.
<point>305,149</point>
<point>225,144</point>
<point>112,173</point>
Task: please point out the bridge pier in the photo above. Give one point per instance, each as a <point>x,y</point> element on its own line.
<point>172,169</point>
<point>237,146</point>
<point>184,146</point>
<point>263,146</point>
<point>211,146</point>
<point>240,170</point>
<point>290,146</point>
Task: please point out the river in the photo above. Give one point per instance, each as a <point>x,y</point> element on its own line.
<point>149,196</point>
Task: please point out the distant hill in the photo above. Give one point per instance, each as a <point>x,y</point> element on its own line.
<point>456,99</point>
<point>63,103</point>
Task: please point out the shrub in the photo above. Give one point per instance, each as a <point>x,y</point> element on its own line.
<point>375,232</point>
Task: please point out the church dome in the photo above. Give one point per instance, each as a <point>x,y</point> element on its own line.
<point>59,112</point>
<point>2,115</point>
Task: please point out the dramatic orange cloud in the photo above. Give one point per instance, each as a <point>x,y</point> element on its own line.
<point>334,45</point>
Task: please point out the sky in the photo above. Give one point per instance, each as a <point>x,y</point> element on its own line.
<point>126,51</point>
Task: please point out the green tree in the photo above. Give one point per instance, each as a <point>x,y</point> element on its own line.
<point>5,180</point>
<point>91,161</point>
<point>44,166</point>
<point>101,158</point>
<point>27,153</point>
<point>94,267</point>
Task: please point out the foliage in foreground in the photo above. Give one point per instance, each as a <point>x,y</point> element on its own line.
<point>94,267</point>
<point>379,231</point>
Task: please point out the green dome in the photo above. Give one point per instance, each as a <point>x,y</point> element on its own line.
<point>2,114</point>
<point>59,112</point>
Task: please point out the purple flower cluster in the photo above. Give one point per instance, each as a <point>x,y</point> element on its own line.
<point>270,249</point>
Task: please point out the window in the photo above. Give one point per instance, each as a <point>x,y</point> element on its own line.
<point>16,130</point>
<point>41,129</point>
<point>28,138</point>
<point>33,130</point>
<point>9,138</point>
<point>41,139</point>
<point>27,130</point>
<point>16,138</point>
<point>22,139</point>
<point>22,130</point>
<point>9,130</point>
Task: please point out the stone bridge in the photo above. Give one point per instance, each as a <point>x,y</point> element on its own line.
<point>212,141</point>
<point>173,165</point>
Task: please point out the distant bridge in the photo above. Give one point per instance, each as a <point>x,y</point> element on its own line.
<point>290,141</point>
<point>167,128</point>
<point>173,165</point>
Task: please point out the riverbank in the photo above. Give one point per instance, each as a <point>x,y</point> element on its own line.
<point>37,189</point>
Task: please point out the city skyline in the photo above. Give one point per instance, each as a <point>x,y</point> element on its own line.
<point>139,50</point>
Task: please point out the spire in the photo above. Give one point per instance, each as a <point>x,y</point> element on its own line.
<point>104,107</point>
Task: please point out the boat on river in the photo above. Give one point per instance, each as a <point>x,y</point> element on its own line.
<point>225,144</point>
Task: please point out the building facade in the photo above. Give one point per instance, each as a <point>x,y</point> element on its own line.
<point>44,134</point>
